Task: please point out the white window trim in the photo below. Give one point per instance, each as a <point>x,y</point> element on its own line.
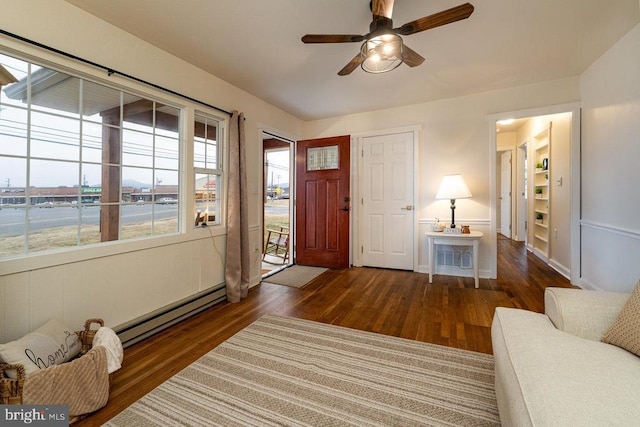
<point>61,256</point>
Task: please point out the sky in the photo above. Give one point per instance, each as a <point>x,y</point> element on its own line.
<point>278,169</point>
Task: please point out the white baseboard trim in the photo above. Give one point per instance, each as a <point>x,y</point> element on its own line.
<point>585,284</point>
<point>566,272</point>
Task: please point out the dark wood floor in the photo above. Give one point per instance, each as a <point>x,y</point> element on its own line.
<point>450,312</point>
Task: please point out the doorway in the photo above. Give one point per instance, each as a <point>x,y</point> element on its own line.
<point>277,213</point>
<point>545,171</point>
<point>505,193</point>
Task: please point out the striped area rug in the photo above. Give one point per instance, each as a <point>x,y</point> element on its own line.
<point>282,371</point>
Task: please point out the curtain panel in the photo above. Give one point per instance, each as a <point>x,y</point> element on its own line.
<point>237,262</point>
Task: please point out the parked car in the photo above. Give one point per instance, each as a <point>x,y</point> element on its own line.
<point>167,201</point>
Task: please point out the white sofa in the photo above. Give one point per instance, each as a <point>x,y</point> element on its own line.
<point>552,369</point>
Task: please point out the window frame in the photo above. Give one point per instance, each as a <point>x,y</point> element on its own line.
<point>186,107</point>
<point>201,219</point>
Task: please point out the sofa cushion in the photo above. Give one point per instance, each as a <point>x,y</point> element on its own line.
<point>625,330</point>
<point>548,377</point>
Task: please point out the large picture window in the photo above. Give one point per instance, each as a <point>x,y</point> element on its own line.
<point>81,162</point>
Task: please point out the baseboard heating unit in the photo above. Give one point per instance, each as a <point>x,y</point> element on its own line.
<point>154,322</point>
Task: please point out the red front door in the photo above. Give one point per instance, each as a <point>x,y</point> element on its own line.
<point>323,202</point>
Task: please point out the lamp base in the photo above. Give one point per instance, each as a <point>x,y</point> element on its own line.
<point>453,213</point>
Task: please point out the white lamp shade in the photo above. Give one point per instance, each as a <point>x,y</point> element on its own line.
<point>453,187</point>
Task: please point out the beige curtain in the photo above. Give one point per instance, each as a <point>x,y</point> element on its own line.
<point>237,261</point>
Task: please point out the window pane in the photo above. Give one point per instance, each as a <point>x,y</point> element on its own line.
<point>167,182</point>
<point>53,174</point>
<point>54,137</point>
<point>90,195</point>
<point>100,103</point>
<point>53,92</point>
<point>138,113</point>
<point>167,152</point>
<point>167,121</point>
<point>199,153</point>
<point>136,182</point>
<point>19,70</point>
<point>92,142</point>
<point>206,200</point>
<point>136,221</point>
<point>205,136</point>
<point>165,219</point>
<point>90,225</point>
<point>91,179</point>
<point>211,158</point>
<point>13,131</point>
<point>12,230</point>
<point>14,177</point>
<point>52,228</point>
<point>323,158</point>
<point>137,148</point>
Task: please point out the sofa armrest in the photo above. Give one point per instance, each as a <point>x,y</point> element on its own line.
<point>587,314</point>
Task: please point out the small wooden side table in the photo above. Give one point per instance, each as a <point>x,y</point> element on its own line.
<point>452,239</point>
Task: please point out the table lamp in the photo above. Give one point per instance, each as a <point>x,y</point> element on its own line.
<point>453,187</point>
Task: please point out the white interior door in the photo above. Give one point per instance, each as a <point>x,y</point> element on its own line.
<point>505,194</point>
<point>387,201</point>
<point>521,194</point>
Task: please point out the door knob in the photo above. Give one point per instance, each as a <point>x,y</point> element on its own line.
<point>407,208</point>
<point>346,209</point>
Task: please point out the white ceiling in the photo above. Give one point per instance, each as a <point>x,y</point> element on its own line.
<point>255,45</point>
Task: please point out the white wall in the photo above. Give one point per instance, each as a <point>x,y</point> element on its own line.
<point>610,91</point>
<point>455,137</point>
<point>121,281</point>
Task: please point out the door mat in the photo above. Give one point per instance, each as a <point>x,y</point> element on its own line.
<point>295,276</point>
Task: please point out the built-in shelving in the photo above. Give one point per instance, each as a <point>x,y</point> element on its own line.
<point>541,189</point>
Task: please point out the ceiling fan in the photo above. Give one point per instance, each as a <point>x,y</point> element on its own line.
<point>383,48</point>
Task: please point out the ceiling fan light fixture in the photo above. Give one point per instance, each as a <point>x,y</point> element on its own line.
<point>381,53</point>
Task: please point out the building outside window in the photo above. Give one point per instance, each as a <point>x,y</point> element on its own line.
<point>81,162</point>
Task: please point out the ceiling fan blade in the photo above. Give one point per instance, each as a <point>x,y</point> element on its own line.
<point>382,8</point>
<point>411,57</point>
<point>352,65</point>
<point>332,38</point>
<point>437,19</point>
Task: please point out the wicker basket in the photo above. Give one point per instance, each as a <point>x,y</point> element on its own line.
<point>87,334</point>
<point>11,388</point>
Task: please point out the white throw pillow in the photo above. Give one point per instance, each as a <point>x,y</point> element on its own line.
<point>51,344</point>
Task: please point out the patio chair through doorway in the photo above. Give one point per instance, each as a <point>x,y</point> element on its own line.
<point>277,244</point>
